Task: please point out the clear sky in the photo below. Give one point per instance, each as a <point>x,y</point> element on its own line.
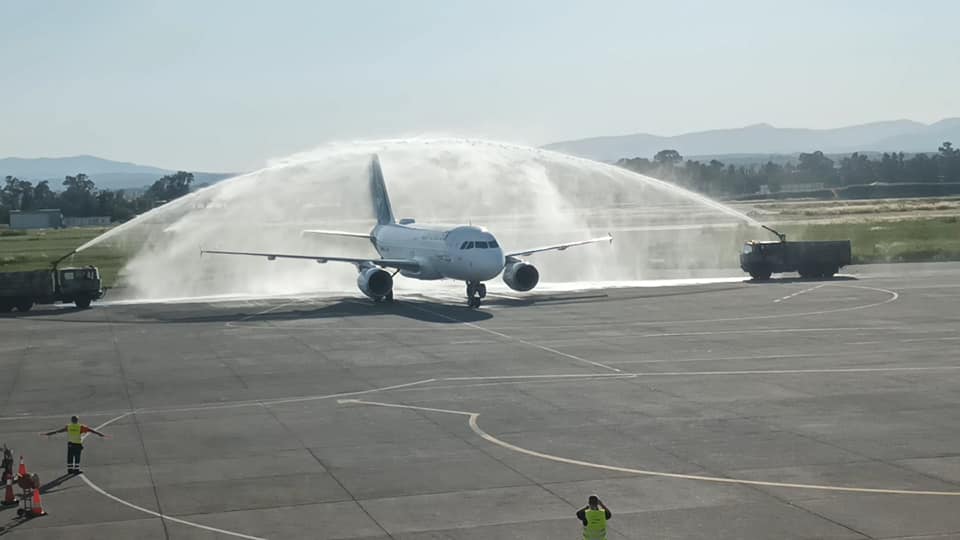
<point>225,85</point>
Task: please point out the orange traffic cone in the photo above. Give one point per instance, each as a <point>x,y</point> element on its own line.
<point>9,499</point>
<point>23,468</point>
<point>37,506</point>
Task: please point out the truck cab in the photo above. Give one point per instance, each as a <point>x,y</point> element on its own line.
<point>79,285</point>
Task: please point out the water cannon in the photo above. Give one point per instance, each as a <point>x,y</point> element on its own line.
<point>58,261</point>
<point>781,236</point>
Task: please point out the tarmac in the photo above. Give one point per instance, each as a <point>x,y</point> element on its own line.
<point>727,410</point>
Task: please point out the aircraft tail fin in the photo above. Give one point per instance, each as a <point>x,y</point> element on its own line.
<point>378,193</point>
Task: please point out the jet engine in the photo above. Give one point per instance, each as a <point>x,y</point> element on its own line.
<point>521,276</point>
<point>375,282</point>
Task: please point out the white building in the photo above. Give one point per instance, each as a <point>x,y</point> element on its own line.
<point>91,221</point>
<point>49,218</point>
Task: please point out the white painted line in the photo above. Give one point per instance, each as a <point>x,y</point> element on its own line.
<point>894,296</point>
<point>526,377</point>
<point>774,331</point>
<point>224,405</point>
<point>474,426</point>
<point>796,294</point>
<point>776,356</point>
<point>114,498</point>
<point>524,382</point>
<point>270,402</point>
<point>518,340</point>
<point>794,371</point>
<point>929,339</point>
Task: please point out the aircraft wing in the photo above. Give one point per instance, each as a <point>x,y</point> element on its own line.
<point>337,233</point>
<point>560,247</point>
<point>400,264</point>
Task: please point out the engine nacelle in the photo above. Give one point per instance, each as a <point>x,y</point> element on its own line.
<point>521,276</point>
<point>375,282</point>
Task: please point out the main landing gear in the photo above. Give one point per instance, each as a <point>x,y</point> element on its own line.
<point>475,292</point>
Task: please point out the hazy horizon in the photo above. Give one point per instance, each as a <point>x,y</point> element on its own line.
<point>223,87</point>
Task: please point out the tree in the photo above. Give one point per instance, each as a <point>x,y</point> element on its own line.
<point>43,196</point>
<point>816,167</point>
<point>891,167</point>
<point>16,194</point>
<point>668,157</point>
<point>79,198</point>
<point>856,169</point>
<point>920,168</point>
<point>949,162</point>
<point>171,186</point>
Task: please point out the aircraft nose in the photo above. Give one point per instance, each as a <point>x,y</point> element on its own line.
<point>494,263</point>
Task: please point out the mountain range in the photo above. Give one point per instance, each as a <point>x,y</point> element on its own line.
<point>889,136</point>
<point>748,144</point>
<point>107,174</point>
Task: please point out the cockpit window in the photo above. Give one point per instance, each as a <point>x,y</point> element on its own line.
<point>479,244</point>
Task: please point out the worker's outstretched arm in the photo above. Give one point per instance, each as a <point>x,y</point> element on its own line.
<point>61,430</point>
<point>95,432</point>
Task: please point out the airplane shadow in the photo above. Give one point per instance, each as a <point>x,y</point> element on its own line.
<point>796,279</point>
<point>419,310</point>
<point>416,307</point>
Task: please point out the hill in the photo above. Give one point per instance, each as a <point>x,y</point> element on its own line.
<point>107,174</point>
<point>889,136</point>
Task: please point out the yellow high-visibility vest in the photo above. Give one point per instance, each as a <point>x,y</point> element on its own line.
<point>596,528</point>
<point>74,432</point>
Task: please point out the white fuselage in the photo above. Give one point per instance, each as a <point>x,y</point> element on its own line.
<point>463,253</point>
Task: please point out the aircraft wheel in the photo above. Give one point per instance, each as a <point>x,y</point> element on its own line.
<point>482,290</point>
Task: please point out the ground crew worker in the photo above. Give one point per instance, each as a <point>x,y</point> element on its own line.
<point>75,431</point>
<point>594,517</point>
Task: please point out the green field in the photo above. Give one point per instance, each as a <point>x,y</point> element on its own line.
<point>32,250</point>
<point>906,240</point>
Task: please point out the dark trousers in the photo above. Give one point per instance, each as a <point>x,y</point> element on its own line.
<point>73,456</point>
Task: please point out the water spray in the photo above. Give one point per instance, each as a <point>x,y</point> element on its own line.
<point>525,196</point>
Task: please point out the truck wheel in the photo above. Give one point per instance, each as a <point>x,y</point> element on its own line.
<point>807,273</point>
<point>761,275</point>
<point>24,304</point>
<point>82,302</point>
<point>6,306</point>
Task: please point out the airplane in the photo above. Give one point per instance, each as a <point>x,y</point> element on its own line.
<point>463,253</point>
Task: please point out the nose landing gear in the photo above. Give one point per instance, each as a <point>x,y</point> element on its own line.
<point>475,292</point>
